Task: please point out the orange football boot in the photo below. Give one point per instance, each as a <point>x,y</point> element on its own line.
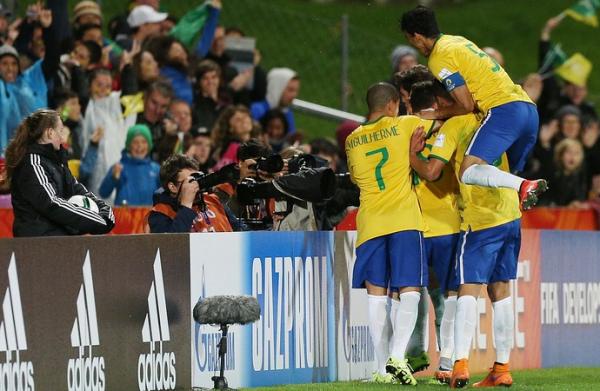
<point>460,374</point>
<point>498,376</point>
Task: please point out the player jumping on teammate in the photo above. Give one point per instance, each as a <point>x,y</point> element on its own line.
<point>477,83</point>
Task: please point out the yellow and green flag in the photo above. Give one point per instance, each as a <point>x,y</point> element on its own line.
<point>575,70</point>
<point>584,11</point>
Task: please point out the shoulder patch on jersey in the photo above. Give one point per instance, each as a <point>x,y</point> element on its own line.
<point>439,141</point>
<point>444,73</point>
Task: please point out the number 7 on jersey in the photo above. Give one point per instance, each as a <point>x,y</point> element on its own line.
<point>384,158</point>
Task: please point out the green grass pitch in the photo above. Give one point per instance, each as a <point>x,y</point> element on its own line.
<point>537,379</point>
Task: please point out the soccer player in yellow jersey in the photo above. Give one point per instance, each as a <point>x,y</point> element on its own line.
<point>478,83</point>
<point>438,199</point>
<point>389,252</point>
<point>490,239</point>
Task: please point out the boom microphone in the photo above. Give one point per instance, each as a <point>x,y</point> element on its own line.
<point>223,310</point>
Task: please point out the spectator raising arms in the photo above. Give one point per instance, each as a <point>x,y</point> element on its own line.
<point>135,176</point>
<point>23,91</point>
<point>41,183</point>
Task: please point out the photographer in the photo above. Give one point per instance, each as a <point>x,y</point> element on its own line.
<point>308,195</point>
<point>184,203</point>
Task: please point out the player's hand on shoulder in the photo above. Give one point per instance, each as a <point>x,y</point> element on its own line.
<point>417,140</point>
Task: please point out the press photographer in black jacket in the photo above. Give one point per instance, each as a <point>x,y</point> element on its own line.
<point>41,183</point>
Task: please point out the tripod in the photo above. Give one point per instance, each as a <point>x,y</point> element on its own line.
<point>220,382</point>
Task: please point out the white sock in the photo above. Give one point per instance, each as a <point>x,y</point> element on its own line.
<point>417,343</point>
<point>464,325</point>
<point>404,322</point>
<point>437,299</point>
<point>504,327</point>
<point>490,176</point>
<point>447,332</point>
<point>393,313</point>
<point>379,327</point>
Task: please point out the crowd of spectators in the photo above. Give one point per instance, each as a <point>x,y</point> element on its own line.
<point>160,91</point>
<point>151,99</point>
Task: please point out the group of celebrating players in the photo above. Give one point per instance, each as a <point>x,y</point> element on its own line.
<point>437,192</point>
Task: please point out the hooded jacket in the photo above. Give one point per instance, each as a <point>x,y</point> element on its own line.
<point>137,183</point>
<point>277,81</point>
<point>40,187</point>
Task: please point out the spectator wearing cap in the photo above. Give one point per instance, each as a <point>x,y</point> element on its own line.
<point>144,22</point>
<point>283,86</point>
<point>24,91</point>
<point>119,27</point>
<point>135,177</point>
<point>86,12</point>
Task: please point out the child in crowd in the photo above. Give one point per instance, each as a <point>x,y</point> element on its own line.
<point>135,176</point>
<point>104,110</point>
<point>569,182</point>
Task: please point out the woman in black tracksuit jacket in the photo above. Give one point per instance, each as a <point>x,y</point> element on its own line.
<point>41,183</point>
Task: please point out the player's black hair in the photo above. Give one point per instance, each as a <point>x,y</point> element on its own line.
<point>420,20</point>
<point>380,94</point>
<point>408,77</point>
<point>424,94</point>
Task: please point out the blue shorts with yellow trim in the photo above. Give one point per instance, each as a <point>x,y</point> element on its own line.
<point>489,255</point>
<point>511,128</point>
<point>440,252</point>
<point>391,261</point>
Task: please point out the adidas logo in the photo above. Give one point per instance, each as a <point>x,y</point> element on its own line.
<point>17,375</point>
<point>86,372</point>
<point>156,370</point>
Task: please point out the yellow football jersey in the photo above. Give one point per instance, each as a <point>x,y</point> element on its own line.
<point>378,162</point>
<point>455,61</point>
<point>481,207</point>
<point>439,199</point>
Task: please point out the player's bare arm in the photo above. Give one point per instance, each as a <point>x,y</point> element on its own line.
<point>463,104</point>
<point>428,169</point>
